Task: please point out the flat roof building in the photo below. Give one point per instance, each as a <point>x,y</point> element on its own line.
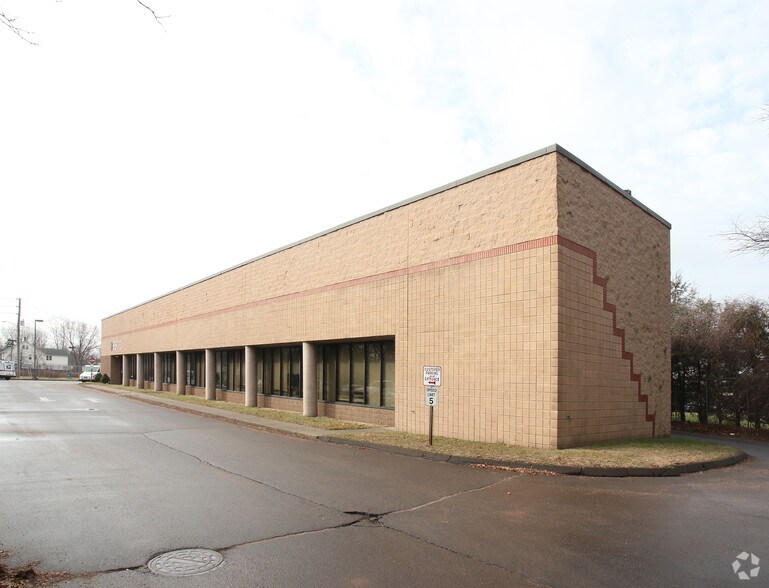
<point>540,288</point>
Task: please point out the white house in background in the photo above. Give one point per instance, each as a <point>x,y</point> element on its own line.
<point>53,359</point>
<point>47,358</point>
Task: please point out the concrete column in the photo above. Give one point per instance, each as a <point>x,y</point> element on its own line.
<point>210,374</point>
<point>140,371</point>
<point>251,382</point>
<point>181,373</point>
<point>126,375</point>
<point>309,380</point>
<point>158,361</point>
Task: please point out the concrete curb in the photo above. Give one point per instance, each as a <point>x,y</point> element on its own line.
<point>306,432</point>
<point>219,414</point>
<point>595,472</point>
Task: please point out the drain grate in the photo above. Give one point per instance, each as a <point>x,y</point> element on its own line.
<point>185,562</point>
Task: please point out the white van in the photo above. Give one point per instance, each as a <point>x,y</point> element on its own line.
<point>7,369</point>
<point>89,372</point>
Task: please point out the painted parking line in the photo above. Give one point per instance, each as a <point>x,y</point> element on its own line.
<point>92,399</point>
<point>44,399</point>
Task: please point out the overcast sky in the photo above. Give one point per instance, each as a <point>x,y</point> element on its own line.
<point>136,158</point>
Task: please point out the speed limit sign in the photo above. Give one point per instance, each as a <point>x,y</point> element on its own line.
<point>431,395</point>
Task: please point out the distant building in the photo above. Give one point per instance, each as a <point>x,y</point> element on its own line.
<point>54,359</point>
<point>48,358</point>
<point>539,287</point>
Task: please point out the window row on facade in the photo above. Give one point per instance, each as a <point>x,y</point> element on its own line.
<point>349,372</point>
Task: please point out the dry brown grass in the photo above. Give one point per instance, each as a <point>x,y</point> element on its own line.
<point>265,413</point>
<point>643,453</point>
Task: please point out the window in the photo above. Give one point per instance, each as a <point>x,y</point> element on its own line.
<point>374,374</point>
<point>264,371</point>
<point>132,367</point>
<point>388,374</point>
<point>196,368</point>
<point>295,372</point>
<point>279,371</point>
<point>168,368</point>
<point>148,363</point>
<point>49,358</point>
<point>229,370</point>
<point>221,370</point>
<point>359,373</point>
<point>285,371</point>
<point>237,369</point>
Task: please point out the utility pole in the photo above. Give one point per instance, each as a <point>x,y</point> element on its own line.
<point>34,351</point>
<point>18,339</point>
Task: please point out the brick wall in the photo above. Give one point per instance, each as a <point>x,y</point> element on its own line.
<point>383,417</point>
<point>631,252</point>
<point>503,281</point>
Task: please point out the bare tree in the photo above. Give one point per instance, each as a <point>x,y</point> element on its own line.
<point>750,238</point>
<point>155,15</point>
<point>8,343</point>
<point>81,339</point>
<point>12,23</point>
<point>28,334</point>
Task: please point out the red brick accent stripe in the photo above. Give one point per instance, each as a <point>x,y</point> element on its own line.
<point>612,308</point>
<point>424,267</point>
<point>433,265</point>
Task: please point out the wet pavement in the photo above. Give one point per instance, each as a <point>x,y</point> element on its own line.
<point>96,483</point>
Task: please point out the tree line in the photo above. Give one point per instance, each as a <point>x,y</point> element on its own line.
<point>720,358</point>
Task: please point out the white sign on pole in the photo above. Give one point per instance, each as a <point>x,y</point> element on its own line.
<point>431,375</point>
<point>431,395</point>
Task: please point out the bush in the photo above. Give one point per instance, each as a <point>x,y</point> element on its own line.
<point>105,379</point>
<point>97,377</point>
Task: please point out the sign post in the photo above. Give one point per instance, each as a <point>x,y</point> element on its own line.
<point>431,399</point>
<point>431,378</point>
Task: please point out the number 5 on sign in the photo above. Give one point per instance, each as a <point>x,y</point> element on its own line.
<point>431,395</point>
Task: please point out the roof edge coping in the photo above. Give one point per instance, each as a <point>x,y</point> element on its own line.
<point>622,192</point>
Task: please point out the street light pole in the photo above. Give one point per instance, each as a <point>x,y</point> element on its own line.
<point>34,351</point>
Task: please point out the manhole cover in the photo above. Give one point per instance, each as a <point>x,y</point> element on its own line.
<point>185,562</point>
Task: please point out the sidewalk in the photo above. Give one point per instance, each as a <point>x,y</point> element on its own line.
<point>296,430</point>
<point>255,422</point>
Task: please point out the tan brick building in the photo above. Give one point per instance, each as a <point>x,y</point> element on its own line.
<point>538,286</point>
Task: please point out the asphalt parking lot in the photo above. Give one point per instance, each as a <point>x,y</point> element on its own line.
<point>97,485</point>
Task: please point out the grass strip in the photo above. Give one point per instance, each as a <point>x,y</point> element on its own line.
<point>284,416</point>
<point>641,453</point>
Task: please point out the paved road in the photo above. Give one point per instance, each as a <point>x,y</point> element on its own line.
<point>90,482</point>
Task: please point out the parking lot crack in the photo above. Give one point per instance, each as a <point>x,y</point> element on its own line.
<point>454,495</point>
<point>246,477</point>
